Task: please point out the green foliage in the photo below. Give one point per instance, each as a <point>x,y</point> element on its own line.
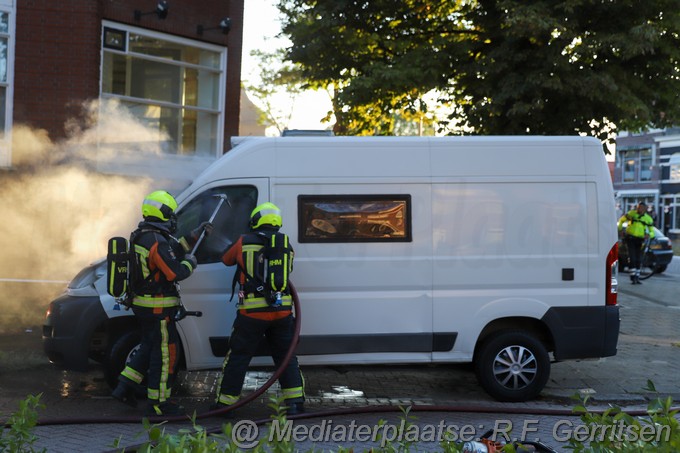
<point>615,431</point>
<point>610,431</point>
<point>18,436</point>
<point>504,66</point>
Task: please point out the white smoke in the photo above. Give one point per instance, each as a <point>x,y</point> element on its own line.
<point>58,213</point>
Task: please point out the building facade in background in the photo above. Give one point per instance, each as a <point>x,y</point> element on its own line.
<point>173,65</point>
<point>648,169</point>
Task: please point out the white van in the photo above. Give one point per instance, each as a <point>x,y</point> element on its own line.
<point>500,251</point>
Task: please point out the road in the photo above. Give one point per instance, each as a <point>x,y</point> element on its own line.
<point>649,350</point>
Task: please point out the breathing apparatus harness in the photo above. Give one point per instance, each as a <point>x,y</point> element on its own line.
<point>270,268</point>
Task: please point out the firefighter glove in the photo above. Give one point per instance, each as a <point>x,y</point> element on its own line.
<point>191,259</point>
<point>205,226</point>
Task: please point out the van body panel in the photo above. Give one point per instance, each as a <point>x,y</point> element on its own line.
<point>390,288</point>
<point>416,249</point>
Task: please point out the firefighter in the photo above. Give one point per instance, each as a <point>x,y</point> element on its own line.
<point>639,229</point>
<point>258,317</point>
<point>160,262</point>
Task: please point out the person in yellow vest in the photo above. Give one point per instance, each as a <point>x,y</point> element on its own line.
<point>639,228</point>
<point>258,317</point>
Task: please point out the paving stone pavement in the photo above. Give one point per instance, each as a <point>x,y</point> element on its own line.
<point>649,349</point>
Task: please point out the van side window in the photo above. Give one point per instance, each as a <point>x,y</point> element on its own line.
<point>354,218</point>
<point>231,220</point>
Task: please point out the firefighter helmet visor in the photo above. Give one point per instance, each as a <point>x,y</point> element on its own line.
<point>159,204</point>
<point>265,214</point>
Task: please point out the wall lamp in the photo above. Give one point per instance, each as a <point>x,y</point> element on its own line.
<point>224,25</point>
<point>161,11</point>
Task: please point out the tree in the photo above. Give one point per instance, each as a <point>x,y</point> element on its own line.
<point>276,79</point>
<point>374,58</point>
<point>506,66</point>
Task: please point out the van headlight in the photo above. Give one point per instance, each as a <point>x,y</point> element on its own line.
<point>88,275</point>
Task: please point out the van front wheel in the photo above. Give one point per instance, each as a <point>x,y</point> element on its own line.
<point>512,366</point>
<point>122,350</point>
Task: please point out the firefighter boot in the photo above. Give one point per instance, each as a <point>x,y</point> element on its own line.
<point>125,393</point>
<point>221,407</point>
<point>165,408</point>
<point>295,408</point>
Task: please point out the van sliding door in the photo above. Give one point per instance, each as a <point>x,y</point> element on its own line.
<point>363,271</point>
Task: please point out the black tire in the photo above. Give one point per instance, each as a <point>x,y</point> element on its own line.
<point>512,365</point>
<point>660,268</point>
<point>122,349</point>
<point>648,266</point>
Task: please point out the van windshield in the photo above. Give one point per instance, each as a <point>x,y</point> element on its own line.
<point>230,222</point>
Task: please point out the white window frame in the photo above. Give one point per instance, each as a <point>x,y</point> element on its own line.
<point>635,154</point>
<point>222,51</point>
<point>672,202</point>
<point>674,167</point>
<point>9,7</point>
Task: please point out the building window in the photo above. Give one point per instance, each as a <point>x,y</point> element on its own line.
<point>6,79</point>
<point>637,165</point>
<point>173,85</point>
<point>646,165</point>
<point>628,168</point>
<point>354,218</point>
<point>674,164</point>
<point>670,214</point>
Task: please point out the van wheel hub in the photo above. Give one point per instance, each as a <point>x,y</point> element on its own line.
<point>515,367</point>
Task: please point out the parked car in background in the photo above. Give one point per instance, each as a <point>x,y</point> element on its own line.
<point>660,248</point>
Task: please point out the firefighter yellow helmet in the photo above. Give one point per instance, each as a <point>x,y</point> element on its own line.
<point>265,214</point>
<point>159,204</point>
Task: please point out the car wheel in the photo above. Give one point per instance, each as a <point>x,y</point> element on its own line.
<point>512,366</point>
<point>659,268</point>
<point>122,350</point>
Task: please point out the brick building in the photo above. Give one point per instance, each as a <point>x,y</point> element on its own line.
<point>173,65</point>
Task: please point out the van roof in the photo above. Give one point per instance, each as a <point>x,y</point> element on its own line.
<point>418,157</point>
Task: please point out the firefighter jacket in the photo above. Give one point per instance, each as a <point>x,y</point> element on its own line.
<point>638,225</point>
<point>245,254</point>
<point>159,265</point>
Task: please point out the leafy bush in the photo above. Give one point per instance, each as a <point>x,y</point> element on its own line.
<point>616,431</point>
<point>609,431</point>
<point>17,434</point>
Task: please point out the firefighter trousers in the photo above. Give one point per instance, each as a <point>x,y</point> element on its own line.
<point>247,334</point>
<point>157,356</point>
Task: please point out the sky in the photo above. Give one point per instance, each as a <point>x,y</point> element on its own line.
<point>261,25</point>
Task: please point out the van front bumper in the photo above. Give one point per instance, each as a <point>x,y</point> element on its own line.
<point>68,328</point>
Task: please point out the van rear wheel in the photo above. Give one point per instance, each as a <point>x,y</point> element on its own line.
<point>512,366</point>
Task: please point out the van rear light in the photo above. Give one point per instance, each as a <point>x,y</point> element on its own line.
<point>612,273</point>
